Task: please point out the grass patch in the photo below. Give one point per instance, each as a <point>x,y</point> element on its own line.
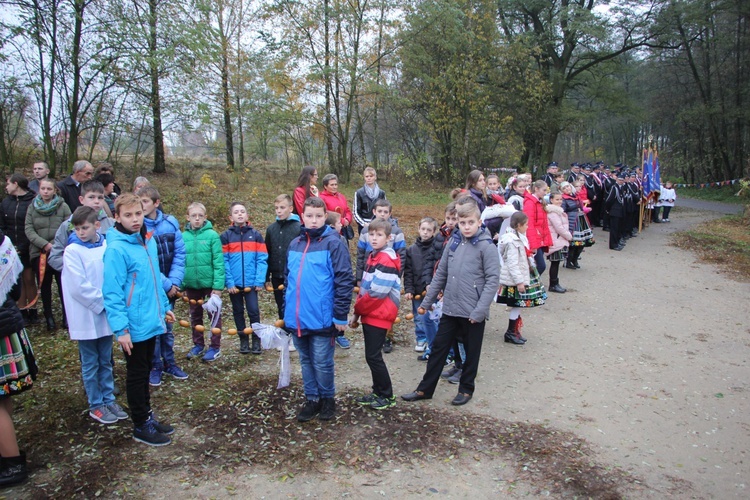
<point>726,194</point>
<point>724,242</point>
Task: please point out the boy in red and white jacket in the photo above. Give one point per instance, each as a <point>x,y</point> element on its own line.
<point>377,306</point>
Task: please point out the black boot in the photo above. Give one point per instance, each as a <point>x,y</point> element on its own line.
<point>510,334</point>
<point>51,326</point>
<point>26,319</point>
<point>244,343</point>
<point>327,409</point>
<point>256,345</point>
<point>34,318</point>
<point>554,286</point>
<point>13,470</point>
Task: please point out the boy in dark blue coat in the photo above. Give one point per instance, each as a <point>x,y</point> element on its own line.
<point>245,266</point>
<point>319,285</point>
<point>165,231</point>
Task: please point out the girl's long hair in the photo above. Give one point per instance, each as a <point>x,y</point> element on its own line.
<point>304,178</point>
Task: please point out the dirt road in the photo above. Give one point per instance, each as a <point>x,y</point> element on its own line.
<point>645,357</point>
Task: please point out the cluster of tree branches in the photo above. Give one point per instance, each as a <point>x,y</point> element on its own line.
<point>430,87</point>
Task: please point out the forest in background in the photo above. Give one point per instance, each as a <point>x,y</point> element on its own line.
<point>423,87</point>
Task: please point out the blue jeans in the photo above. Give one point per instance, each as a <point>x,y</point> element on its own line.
<point>96,371</point>
<point>316,358</point>
<point>424,328</point>
<point>164,349</point>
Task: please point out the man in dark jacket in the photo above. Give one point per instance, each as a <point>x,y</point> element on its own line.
<point>70,187</point>
<point>615,205</point>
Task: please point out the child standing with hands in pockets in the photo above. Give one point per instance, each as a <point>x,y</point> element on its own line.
<point>377,307</point>
<point>468,275</point>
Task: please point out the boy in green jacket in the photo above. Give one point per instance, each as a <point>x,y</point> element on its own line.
<point>204,275</point>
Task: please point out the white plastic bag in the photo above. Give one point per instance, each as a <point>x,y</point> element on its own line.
<point>436,311</point>
<point>272,337</point>
<point>213,308</point>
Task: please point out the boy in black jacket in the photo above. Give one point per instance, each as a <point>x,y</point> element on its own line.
<point>278,237</point>
<point>421,258</point>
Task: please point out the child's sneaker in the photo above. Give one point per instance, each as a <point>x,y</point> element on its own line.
<point>367,399</point>
<point>343,342</point>
<point>424,357</point>
<point>455,378</point>
<point>291,345</point>
<point>165,429</point>
<point>327,409</point>
<point>211,355</point>
<point>148,434</point>
<point>381,403</point>
<point>103,415</point>
<point>176,372</point>
<point>154,378</point>
<point>195,351</point>
<point>421,346</point>
<point>387,346</point>
<point>450,372</point>
<point>117,411</point>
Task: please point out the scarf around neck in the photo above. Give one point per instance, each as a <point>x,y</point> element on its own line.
<point>47,208</point>
<point>372,192</point>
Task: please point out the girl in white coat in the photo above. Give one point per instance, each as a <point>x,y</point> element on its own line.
<point>519,279</point>
<point>666,200</point>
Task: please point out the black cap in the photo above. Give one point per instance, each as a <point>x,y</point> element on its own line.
<point>587,167</point>
<point>552,164</point>
<point>621,175</point>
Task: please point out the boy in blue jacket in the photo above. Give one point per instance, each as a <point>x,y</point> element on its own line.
<point>165,230</point>
<point>319,285</point>
<point>136,308</point>
<point>245,266</point>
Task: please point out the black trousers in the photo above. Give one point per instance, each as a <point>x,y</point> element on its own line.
<point>139,367</point>
<point>450,329</point>
<point>381,379</point>
<point>278,295</point>
<point>554,270</point>
<point>614,231</point>
<point>242,301</point>
<point>46,287</point>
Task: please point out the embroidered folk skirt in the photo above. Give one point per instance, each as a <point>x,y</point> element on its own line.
<point>18,368</point>
<point>582,233</point>
<point>535,294</point>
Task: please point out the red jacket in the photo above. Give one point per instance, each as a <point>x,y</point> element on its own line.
<point>538,232</point>
<point>380,291</point>
<point>337,203</point>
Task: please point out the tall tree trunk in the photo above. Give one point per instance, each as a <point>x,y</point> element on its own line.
<point>327,79</point>
<point>226,104</point>
<point>160,164</point>
<point>4,159</point>
<point>73,104</point>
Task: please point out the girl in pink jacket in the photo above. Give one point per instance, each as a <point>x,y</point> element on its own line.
<point>557,220</point>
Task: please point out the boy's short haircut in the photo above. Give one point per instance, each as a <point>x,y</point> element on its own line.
<point>313,202</point>
<point>383,203</point>
<point>197,204</point>
<point>235,203</point>
<point>283,197</point>
<point>332,218</point>
<point>84,214</point>
<point>379,225</point>
<point>105,178</point>
<point>450,208</point>
<point>492,176</point>
<point>149,192</point>
<point>467,207</point>
<point>517,219</point>
<point>369,170</point>
<point>429,220</point>
<point>91,186</point>
<point>127,200</point>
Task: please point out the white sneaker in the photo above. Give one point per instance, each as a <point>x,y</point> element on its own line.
<point>421,346</point>
<point>291,345</point>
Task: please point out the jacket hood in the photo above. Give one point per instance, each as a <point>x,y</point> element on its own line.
<point>553,209</point>
<point>316,233</point>
<point>205,227</point>
<point>115,234</point>
<point>238,229</point>
<point>424,243</point>
<point>30,195</point>
<point>291,218</point>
